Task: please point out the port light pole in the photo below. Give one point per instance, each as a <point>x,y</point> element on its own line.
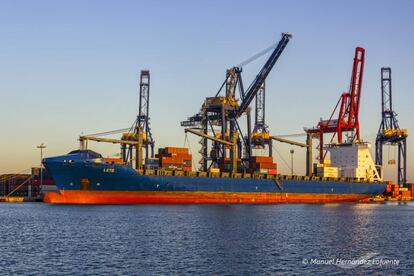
<point>41,147</point>
<point>291,161</point>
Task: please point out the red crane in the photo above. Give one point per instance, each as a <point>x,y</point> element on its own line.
<point>348,116</point>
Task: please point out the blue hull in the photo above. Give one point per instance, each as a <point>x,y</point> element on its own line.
<point>71,171</point>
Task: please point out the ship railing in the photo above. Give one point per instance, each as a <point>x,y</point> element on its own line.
<point>178,173</point>
<point>225,175</point>
<point>192,174</point>
<point>251,175</point>
<point>246,175</point>
<point>237,175</point>
<point>213,174</point>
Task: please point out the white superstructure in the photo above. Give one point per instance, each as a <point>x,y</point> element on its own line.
<point>353,160</point>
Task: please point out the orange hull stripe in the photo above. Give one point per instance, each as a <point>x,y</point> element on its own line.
<point>147,197</point>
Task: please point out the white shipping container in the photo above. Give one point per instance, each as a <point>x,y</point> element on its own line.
<point>327,171</point>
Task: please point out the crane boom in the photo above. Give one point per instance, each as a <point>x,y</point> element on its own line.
<point>106,140</point>
<point>349,113</point>
<point>195,132</point>
<point>261,77</point>
<point>356,83</point>
<point>290,142</point>
<point>348,104</point>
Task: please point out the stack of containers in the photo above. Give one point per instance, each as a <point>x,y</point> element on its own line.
<point>263,164</point>
<point>395,190</point>
<point>173,158</point>
<point>152,164</point>
<point>325,169</point>
<point>226,165</point>
<point>44,185</point>
<point>388,190</point>
<point>405,193</point>
<point>411,189</point>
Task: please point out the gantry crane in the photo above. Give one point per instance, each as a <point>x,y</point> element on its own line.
<point>136,138</point>
<point>260,137</point>
<point>142,125</point>
<point>224,112</point>
<point>348,115</point>
<point>389,132</point>
<point>141,131</point>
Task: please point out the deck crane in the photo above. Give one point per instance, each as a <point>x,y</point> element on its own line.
<point>224,111</point>
<point>348,114</point>
<point>389,131</point>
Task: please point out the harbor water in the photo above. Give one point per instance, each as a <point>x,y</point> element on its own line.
<point>332,239</point>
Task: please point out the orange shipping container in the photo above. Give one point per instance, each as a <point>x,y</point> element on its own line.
<point>184,156</point>
<point>411,189</point>
<point>176,150</point>
<point>261,159</point>
<point>164,154</point>
<point>171,160</point>
<point>388,189</point>
<point>258,166</point>
<point>114,160</point>
<point>272,171</point>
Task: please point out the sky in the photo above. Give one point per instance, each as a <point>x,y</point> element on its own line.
<point>72,67</point>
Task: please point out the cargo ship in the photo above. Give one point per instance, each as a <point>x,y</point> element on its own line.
<point>229,171</point>
<point>85,177</point>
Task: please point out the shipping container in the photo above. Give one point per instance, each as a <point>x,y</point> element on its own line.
<point>151,166</point>
<point>272,171</point>
<point>171,150</point>
<point>259,159</point>
<point>265,171</point>
<point>411,189</point>
<point>152,161</point>
<point>258,166</point>
<point>327,171</point>
<point>112,160</point>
